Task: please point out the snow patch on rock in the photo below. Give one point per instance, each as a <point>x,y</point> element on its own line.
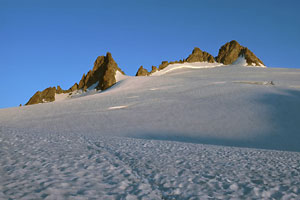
<point>119,76</point>
<point>240,61</point>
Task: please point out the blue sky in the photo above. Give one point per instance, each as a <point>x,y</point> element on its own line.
<point>53,42</point>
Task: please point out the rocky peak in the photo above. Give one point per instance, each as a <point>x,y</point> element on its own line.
<point>232,50</point>
<point>196,56</point>
<point>73,88</point>
<point>142,72</point>
<point>47,95</point>
<point>98,62</point>
<point>59,90</point>
<point>154,69</point>
<point>200,56</point>
<point>103,72</point>
<point>163,65</point>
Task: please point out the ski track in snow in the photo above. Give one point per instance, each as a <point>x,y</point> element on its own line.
<point>87,147</point>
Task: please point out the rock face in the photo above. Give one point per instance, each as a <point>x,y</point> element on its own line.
<point>163,65</point>
<point>59,90</point>
<point>73,88</point>
<point>200,56</point>
<point>142,72</point>
<point>230,52</point>
<point>103,74</point>
<point>47,95</point>
<point>196,56</point>
<point>154,69</point>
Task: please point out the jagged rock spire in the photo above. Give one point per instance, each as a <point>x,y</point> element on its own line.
<point>142,72</point>
<point>230,52</point>
<point>103,73</point>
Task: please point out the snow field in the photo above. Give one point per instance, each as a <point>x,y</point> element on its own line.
<point>129,142</point>
<point>64,166</point>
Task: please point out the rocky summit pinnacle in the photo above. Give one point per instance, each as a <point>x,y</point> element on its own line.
<point>142,72</point>
<point>232,50</point>
<point>200,56</point>
<point>103,75</point>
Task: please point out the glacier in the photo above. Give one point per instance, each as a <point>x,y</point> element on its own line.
<point>190,131</point>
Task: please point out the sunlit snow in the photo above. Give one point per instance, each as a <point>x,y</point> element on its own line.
<point>198,132</point>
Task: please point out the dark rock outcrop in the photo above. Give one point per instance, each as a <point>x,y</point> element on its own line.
<point>47,95</point>
<point>142,72</point>
<point>59,90</point>
<point>103,73</point>
<point>196,56</point>
<point>154,69</point>
<point>74,88</point>
<point>81,82</point>
<point>163,65</point>
<point>251,57</point>
<point>230,52</point>
<point>200,56</point>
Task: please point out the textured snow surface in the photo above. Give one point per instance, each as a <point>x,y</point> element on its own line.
<point>184,134</point>
<point>72,166</point>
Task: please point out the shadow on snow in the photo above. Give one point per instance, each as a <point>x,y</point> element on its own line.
<point>283,118</point>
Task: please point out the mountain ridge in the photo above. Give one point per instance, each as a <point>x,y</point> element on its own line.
<point>103,74</point>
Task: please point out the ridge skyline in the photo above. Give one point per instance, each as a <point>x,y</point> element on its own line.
<point>103,75</point>
<point>43,40</point>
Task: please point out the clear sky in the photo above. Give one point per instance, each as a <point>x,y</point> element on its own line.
<point>46,43</point>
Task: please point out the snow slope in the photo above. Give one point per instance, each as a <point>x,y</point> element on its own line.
<point>195,65</point>
<point>176,135</point>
